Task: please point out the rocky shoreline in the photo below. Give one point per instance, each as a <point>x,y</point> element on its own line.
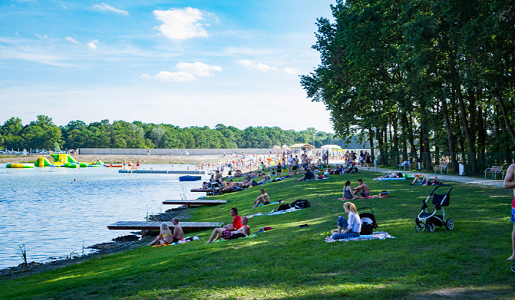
<point>119,244</point>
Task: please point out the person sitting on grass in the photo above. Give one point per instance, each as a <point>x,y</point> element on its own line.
<point>425,181</point>
<point>347,194</point>
<point>236,221</point>
<point>362,189</point>
<point>164,237</point>
<point>225,234</point>
<point>352,227</point>
<point>263,198</point>
<point>307,176</point>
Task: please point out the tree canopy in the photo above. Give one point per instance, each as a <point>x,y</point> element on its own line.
<point>420,78</point>
<point>44,134</point>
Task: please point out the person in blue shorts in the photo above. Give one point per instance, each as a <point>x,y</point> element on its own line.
<point>510,184</point>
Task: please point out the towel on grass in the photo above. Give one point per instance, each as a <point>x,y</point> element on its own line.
<point>379,235</point>
<point>183,241</point>
<point>273,213</point>
<point>269,203</point>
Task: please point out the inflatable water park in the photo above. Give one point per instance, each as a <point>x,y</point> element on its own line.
<point>60,160</point>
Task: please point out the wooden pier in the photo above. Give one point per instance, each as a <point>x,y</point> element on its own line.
<point>199,202</point>
<point>156,226</point>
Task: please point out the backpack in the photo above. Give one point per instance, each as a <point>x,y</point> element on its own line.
<point>284,207</point>
<point>254,183</point>
<point>299,204</point>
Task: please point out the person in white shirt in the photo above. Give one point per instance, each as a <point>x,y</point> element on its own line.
<point>352,227</point>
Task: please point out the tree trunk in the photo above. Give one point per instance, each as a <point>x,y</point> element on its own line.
<point>450,136</point>
<point>412,140</point>
<point>504,113</point>
<point>468,132</point>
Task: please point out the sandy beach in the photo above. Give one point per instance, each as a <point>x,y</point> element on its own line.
<point>143,159</point>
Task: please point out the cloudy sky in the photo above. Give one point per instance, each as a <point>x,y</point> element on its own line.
<point>187,63</point>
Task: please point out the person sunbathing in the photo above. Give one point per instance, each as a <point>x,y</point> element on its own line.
<point>352,227</point>
<point>362,189</point>
<point>263,198</point>
<point>164,237</point>
<point>225,234</point>
<point>307,176</point>
<point>425,181</point>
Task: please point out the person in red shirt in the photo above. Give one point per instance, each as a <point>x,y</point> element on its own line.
<point>236,221</point>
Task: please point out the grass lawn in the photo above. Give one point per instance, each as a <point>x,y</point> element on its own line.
<point>293,262</point>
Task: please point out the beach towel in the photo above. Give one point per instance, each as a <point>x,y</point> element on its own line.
<point>273,213</point>
<point>379,235</point>
<point>183,241</point>
<point>277,202</point>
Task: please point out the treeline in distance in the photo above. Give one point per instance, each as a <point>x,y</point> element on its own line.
<point>44,134</point>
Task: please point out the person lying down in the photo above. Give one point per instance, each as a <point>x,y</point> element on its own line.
<point>225,234</point>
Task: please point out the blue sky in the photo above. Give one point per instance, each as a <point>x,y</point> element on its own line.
<point>187,63</point>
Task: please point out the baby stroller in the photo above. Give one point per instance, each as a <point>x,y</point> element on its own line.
<point>368,221</point>
<point>429,220</point>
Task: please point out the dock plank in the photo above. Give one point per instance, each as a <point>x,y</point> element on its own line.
<point>195,202</point>
<point>156,226</point>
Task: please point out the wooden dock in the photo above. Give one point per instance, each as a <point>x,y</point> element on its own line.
<point>195,172</point>
<point>156,226</point>
<point>199,202</point>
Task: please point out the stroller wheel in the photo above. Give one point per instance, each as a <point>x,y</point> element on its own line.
<point>449,224</point>
<point>513,266</point>
<point>431,227</point>
<point>420,227</point>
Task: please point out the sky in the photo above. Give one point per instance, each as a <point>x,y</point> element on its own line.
<point>186,63</point>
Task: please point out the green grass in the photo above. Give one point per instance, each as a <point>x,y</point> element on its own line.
<point>293,262</point>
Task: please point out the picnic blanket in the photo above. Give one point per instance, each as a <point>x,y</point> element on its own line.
<point>183,241</point>
<point>369,197</point>
<point>379,235</point>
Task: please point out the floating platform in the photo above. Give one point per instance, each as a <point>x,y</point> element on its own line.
<point>19,166</point>
<point>190,178</point>
<point>195,202</point>
<point>156,226</point>
<point>196,172</point>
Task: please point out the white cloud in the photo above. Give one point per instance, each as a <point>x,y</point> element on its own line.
<point>106,7</point>
<point>291,70</point>
<point>44,37</point>
<point>72,40</point>
<point>93,44</point>
<point>257,66</point>
<point>175,76</point>
<point>186,72</point>
<point>180,24</point>
<point>63,6</point>
<point>197,68</point>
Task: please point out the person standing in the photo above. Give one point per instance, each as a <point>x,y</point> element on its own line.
<point>510,184</point>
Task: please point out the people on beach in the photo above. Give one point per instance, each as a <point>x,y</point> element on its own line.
<point>225,234</point>
<point>425,181</point>
<point>368,159</point>
<point>164,237</point>
<point>351,227</point>
<point>263,198</point>
<point>236,221</point>
<point>307,176</point>
<point>347,194</point>
<point>362,189</point>
<point>509,183</point>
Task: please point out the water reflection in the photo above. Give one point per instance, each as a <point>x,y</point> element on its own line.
<point>53,215</point>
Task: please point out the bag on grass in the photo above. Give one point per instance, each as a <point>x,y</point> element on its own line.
<point>284,207</point>
<point>299,204</point>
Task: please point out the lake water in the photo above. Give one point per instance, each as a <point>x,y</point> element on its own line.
<point>45,209</point>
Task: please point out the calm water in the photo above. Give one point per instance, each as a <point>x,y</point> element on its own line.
<point>45,209</point>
